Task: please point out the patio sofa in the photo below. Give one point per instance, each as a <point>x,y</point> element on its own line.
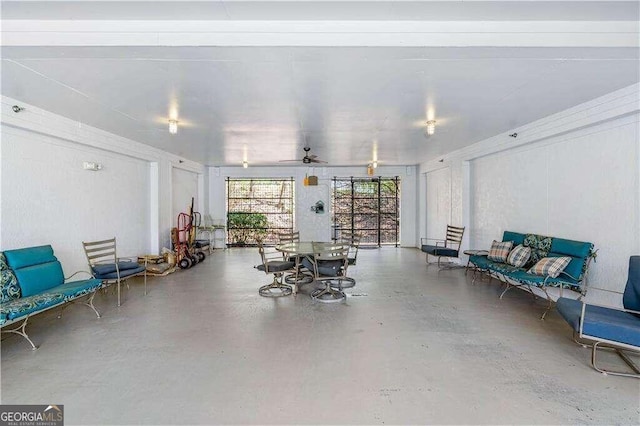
<point>571,282</point>
<point>32,282</point>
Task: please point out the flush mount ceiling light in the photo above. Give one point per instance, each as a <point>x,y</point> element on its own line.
<point>173,126</point>
<point>430,128</point>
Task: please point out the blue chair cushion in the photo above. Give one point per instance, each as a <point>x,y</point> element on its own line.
<point>326,268</point>
<point>123,272</point>
<point>599,322</point>
<point>108,268</point>
<point>277,266</point>
<point>631,296</point>
<point>39,278</point>
<point>439,251</point>
<point>29,256</point>
<point>24,306</point>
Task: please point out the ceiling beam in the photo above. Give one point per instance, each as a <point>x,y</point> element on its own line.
<point>321,33</point>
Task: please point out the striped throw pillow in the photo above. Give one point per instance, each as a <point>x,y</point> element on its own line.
<point>500,251</point>
<point>551,266</point>
<point>519,256</point>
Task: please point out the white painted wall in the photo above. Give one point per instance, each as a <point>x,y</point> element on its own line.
<point>47,198</point>
<point>438,195</point>
<point>314,226</point>
<point>184,185</point>
<point>573,175</point>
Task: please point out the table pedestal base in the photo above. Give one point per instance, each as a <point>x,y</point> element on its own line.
<point>275,289</point>
<point>328,294</point>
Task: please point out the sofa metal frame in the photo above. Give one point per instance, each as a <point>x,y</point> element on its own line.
<point>21,330</point>
<point>530,288</point>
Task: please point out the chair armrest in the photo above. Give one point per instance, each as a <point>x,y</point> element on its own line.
<point>76,273</point>
<point>568,275</point>
<point>437,240</point>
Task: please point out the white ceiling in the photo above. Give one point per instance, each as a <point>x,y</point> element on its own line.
<point>350,104</point>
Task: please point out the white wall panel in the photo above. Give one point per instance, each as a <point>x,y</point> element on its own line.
<point>508,192</point>
<point>593,195</point>
<point>47,197</point>
<point>438,202</point>
<point>184,184</point>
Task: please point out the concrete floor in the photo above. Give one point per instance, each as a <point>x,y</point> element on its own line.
<point>411,345</point>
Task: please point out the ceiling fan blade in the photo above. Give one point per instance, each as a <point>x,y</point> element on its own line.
<point>315,160</point>
<point>291,161</point>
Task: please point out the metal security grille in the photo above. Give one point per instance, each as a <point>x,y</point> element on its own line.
<point>368,206</point>
<point>259,209</point>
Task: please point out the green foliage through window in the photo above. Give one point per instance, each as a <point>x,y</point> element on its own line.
<point>258,209</point>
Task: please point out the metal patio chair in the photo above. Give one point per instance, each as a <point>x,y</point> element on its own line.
<point>274,263</point>
<point>448,247</point>
<point>105,264</point>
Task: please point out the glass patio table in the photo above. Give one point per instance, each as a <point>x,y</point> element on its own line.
<point>300,249</point>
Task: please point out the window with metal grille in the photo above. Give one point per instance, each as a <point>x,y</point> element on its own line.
<point>368,206</point>
<point>259,209</point>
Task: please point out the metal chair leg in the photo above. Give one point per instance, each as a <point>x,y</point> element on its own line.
<point>275,288</point>
<point>622,355</point>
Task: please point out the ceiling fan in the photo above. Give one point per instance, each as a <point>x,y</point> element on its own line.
<point>307,159</point>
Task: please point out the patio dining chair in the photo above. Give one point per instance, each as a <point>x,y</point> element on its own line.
<point>273,263</point>
<point>105,264</point>
<point>353,239</point>
<point>329,268</point>
<point>301,275</point>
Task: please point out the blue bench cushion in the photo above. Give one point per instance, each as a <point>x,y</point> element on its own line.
<point>18,308</point>
<point>600,322</point>
<point>133,269</point>
<point>29,256</point>
<point>520,275</point>
<point>481,262</point>
<point>39,278</point>
<point>516,237</point>
<point>539,280</point>
<point>439,251</point>
<point>74,289</point>
<point>579,252</point>
<point>9,287</point>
